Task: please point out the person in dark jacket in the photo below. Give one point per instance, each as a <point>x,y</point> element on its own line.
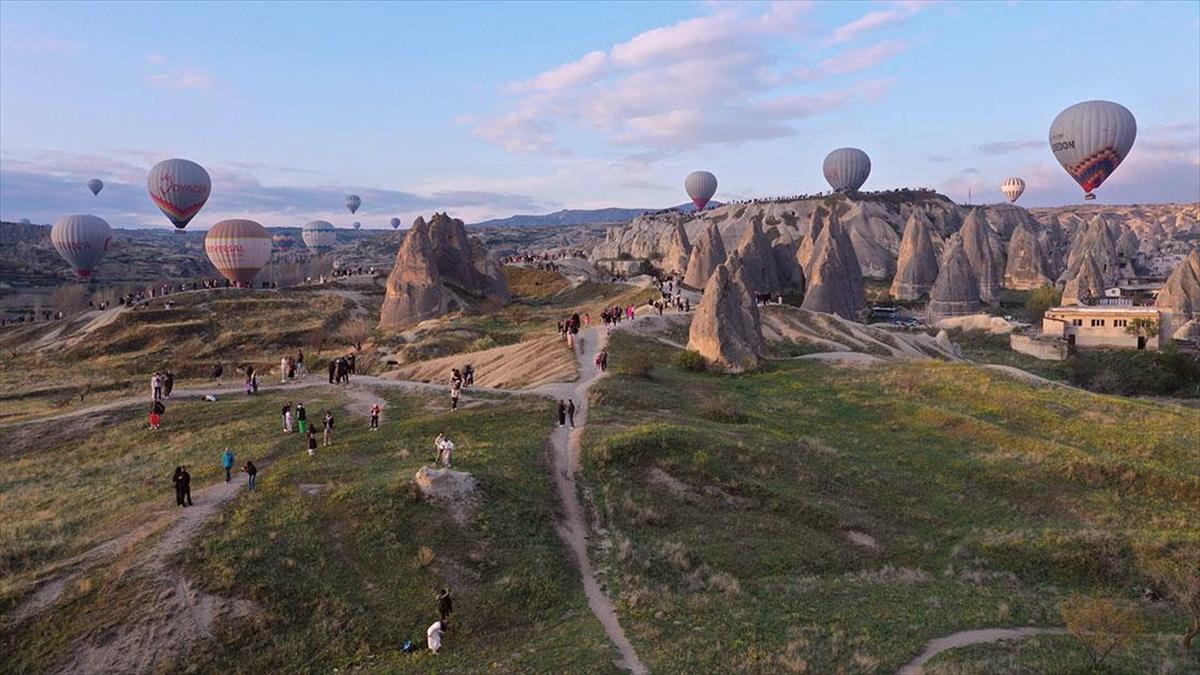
<point>562,413</point>
<point>227,463</point>
<point>251,474</point>
<point>445,605</point>
<point>571,411</point>
<point>217,371</point>
<point>301,418</point>
<point>332,369</point>
<point>185,482</point>
<point>177,480</point>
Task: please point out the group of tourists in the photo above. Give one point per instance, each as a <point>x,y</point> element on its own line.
<point>291,367</point>
<point>566,412</point>
<point>611,316</point>
<point>341,368</point>
<point>568,329</point>
<point>161,385</point>
<point>672,296</point>
<point>248,468</point>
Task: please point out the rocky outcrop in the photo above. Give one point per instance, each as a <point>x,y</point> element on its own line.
<point>835,284</point>
<point>1128,245</point>
<point>439,268</point>
<point>917,266</point>
<point>808,243</point>
<point>760,267</point>
<point>679,250</point>
<point>1087,285</point>
<point>414,287</point>
<point>1026,267</point>
<point>707,254</point>
<point>1181,293</point>
<point>791,274</point>
<point>726,328</point>
<point>985,253</point>
<point>1096,240</point>
<point>956,291</point>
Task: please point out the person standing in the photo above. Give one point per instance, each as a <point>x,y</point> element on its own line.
<point>375,410</point>
<point>571,411</point>
<point>185,480</point>
<point>283,369</point>
<point>217,371</point>
<point>328,428</point>
<point>445,448</point>
<point>300,363</point>
<point>562,413</point>
<point>177,481</point>
<point>312,443</point>
<point>156,412</point>
<point>445,605</point>
<point>301,418</point>
<point>286,413</point>
<point>455,392</point>
<point>332,369</point>
<point>227,462</point>
<point>168,383</point>
<point>156,385</point>
<point>433,635</point>
<point>251,472</point>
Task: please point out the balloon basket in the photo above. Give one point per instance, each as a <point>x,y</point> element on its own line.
<point>1089,196</point>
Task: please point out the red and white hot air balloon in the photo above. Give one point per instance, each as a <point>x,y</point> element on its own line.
<point>700,186</point>
<point>179,187</point>
<point>283,242</point>
<point>1091,139</point>
<point>238,249</point>
<point>82,241</point>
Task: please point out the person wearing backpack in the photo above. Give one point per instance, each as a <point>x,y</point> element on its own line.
<point>227,462</point>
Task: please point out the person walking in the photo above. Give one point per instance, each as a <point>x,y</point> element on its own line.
<point>332,369</point>
<point>217,371</point>
<point>168,383</point>
<point>312,443</point>
<point>156,385</point>
<point>571,411</point>
<point>286,414</point>
<point>301,418</point>
<point>328,428</point>
<point>251,472</point>
<point>283,369</point>
<point>156,412</point>
<point>375,410</point>
<point>445,605</point>
<point>455,392</point>
<point>177,481</point>
<point>227,462</point>
<point>300,363</point>
<point>562,413</point>
<point>185,480</point>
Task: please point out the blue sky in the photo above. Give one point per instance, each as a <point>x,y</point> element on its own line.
<point>489,109</point>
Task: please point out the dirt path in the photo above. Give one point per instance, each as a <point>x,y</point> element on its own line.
<point>573,528</point>
<point>970,637</point>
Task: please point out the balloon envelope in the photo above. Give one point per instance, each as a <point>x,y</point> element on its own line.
<point>1012,188</point>
<point>357,225</point>
<point>179,187</point>
<point>395,223</point>
<point>82,241</point>
<point>846,169</point>
<point>700,186</point>
<point>95,185</point>
<point>353,202</point>
<point>319,236</point>
<point>1091,139</point>
<point>238,249</point>
<point>283,242</point>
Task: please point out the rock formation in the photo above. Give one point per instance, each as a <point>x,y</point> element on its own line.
<point>956,291</point>
<point>438,268</point>
<point>1086,285</point>
<point>707,255</point>
<point>1096,240</point>
<point>808,243</point>
<point>679,250</point>
<point>1181,293</point>
<point>726,327</point>
<point>835,284</point>
<point>985,253</point>
<point>917,266</point>
<point>1026,267</point>
<point>1128,245</point>
<point>758,260</point>
<point>791,274</point>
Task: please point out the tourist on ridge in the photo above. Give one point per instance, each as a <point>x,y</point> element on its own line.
<point>251,474</point>
<point>168,383</point>
<point>177,481</point>
<point>283,370</point>
<point>185,483</point>
<point>312,443</point>
<point>445,605</point>
<point>455,392</point>
<point>300,363</point>
<point>301,418</point>
<point>562,413</point>
<point>217,371</point>
<point>156,385</point>
<point>332,369</point>
<point>571,411</point>
<point>328,428</point>
<point>375,410</point>
<point>286,413</point>
<point>227,462</point>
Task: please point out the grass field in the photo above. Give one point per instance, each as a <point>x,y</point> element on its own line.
<point>814,519</point>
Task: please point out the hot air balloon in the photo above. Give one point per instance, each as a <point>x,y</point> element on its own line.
<point>395,223</point>
<point>353,202</point>
<point>357,225</point>
<point>82,241</point>
<point>1012,188</point>
<point>238,249</point>
<point>179,187</point>
<point>95,185</point>
<point>847,169</point>
<point>319,236</point>
<point>1091,139</point>
<point>283,242</point>
<point>25,221</point>
<point>700,186</point>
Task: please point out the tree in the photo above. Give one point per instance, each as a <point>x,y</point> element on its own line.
<point>1179,576</point>
<point>354,333</point>
<point>1040,300</point>
<point>1142,327</point>
<point>1099,624</point>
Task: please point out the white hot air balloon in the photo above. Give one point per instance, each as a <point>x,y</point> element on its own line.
<point>95,185</point>
<point>319,236</point>
<point>1091,139</point>
<point>700,186</point>
<point>353,202</point>
<point>179,187</point>
<point>847,169</point>
<point>1012,188</point>
<point>82,241</point>
<point>238,249</point>
<point>395,222</point>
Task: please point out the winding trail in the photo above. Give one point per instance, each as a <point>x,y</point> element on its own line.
<point>573,527</point>
<point>970,637</point>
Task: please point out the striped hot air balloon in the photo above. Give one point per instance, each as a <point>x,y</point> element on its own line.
<point>353,202</point>
<point>1091,139</point>
<point>82,241</point>
<point>1012,188</point>
<point>179,187</point>
<point>357,225</point>
<point>846,169</point>
<point>238,249</point>
<point>319,236</point>
<point>700,186</point>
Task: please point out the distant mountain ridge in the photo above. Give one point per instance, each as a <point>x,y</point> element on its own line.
<point>578,217</point>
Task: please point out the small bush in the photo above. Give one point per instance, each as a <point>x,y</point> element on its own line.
<point>644,442</point>
<point>485,342</point>
<point>1099,624</point>
<point>424,557</point>
<point>723,411</point>
<point>691,360</point>
<point>638,364</point>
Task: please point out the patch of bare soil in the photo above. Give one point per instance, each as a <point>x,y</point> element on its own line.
<point>518,366</point>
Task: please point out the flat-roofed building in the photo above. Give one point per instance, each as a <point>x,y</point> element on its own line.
<point>1104,326</point>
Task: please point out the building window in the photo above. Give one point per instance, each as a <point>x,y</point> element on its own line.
<point>1120,323</point>
<point>1076,322</point>
<point>1097,322</point>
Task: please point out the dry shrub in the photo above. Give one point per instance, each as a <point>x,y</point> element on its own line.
<point>639,364</point>
<point>1099,624</point>
<point>424,557</point>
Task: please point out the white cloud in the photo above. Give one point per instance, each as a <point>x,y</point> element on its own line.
<point>187,78</point>
<point>584,71</point>
<point>854,60</point>
<point>871,21</point>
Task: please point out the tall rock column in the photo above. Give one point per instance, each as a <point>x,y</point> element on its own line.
<point>726,328</point>
<point>414,287</point>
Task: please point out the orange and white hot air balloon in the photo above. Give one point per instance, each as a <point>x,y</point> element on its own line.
<point>179,187</point>
<point>238,249</point>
